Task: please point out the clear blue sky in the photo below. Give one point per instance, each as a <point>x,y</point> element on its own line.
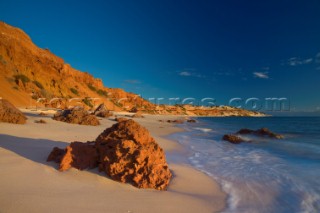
<point>172,48</point>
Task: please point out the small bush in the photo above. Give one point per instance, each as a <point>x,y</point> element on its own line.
<point>2,60</point>
<point>21,77</point>
<point>87,102</point>
<point>118,104</point>
<point>45,94</point>
<point>15,87</point>
<point>102,93</point>
<point>74,91</point>
<point>38,84</point>
<point>91,87</point>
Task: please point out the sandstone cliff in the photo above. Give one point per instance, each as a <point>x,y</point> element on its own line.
<point>30,75</point>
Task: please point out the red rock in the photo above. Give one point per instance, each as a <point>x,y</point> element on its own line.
<point>180,121</point>
<point>126,152</point>
<point>137,115</point>
<point>120,119</point>
<point>40,121</point>
<point>78,155</point>
<point>76,115</point>
<point>102,111</point>
<point>56,155</point>
<point>104,114</point>
<point>129,154</point>
<point>10,114</point>
<point>134,109</point>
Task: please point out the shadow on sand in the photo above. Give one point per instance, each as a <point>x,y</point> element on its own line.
<point>36,150</point>
<point>37,115</point>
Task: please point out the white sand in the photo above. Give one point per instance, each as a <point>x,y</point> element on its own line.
<point>30,184</point>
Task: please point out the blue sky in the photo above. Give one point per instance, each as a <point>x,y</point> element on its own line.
<point>165,48</point>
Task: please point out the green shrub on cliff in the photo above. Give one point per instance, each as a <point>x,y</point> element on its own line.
<point>74,91</point>
<point>102,93</point>
<point>24,79</point>
<point>92,88</point>
<point>38,84</point>
<point>87,102</point>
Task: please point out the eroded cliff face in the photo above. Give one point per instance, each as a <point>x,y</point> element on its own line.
<point>28,73</point>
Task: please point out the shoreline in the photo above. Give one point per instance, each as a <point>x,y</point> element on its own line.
<point>30,183</point>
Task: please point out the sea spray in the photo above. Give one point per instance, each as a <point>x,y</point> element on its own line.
<point>264,176</point>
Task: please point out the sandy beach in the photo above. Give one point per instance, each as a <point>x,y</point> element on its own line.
<point>30,184</point>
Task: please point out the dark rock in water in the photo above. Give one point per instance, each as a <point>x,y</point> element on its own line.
<point>126,152</point>
<point>191,121</point>
<point>77,115</point>
<point>264,132</point>
<point>10,114</point>
<point>233,139</point>
<point>245,131</point>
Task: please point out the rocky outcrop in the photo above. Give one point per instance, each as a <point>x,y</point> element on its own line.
<point>10,114</point>
<point>56,155</point>
<point>233,139</point>
<point>120,119</point>
<point>137,115</point>
<point>41,121</point>
<point>126,152</point>
<point>78,155</point>
<point>179,121</point>
<point>191,121</point>
<point>76,115</point>
<point>263,132</point>
<point>102,111</point>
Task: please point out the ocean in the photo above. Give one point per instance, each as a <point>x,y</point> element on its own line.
<point>265,176</point>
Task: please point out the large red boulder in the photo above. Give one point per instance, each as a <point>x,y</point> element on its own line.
<point>126,152</point>
<point>129,154</point>
<point>10,114</point>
